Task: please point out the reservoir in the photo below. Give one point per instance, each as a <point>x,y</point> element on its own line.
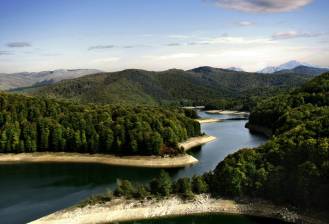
<point>30,191</point>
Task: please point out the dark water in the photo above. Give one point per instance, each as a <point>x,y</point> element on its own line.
<point>30,191</point>
<point>209,219</point>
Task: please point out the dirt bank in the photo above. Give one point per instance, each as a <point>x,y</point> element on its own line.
<point>208,120</point>
<point>130,161</point>
<point>227,112</point>
<point>196,141</point>
<point>119,210</point>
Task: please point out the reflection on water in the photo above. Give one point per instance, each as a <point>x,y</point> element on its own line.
<point>29,191</point>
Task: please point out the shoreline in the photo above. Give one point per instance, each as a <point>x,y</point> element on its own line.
<point>183,160</point>
<point>259,130</point>
<point>208,120</point>
<point>227,112</point>
<point>128,161</point>
<point>196,141</point>
<point>120,210</point>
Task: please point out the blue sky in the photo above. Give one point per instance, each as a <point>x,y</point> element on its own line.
<point>112,35</point>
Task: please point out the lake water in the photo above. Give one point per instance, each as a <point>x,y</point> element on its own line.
<point>30,191</point>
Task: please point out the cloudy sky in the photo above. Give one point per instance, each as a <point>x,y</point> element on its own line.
<point>112,35</point>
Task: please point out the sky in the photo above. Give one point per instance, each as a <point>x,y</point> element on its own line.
<point>112,35</point>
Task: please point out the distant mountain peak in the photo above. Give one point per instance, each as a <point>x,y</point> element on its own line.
<point>236,69</point>
<point>286,66</point>
<point>203,69</point>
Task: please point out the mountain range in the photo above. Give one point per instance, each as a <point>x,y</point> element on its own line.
<point>35,79</point>
<point>290,67</point>
<point>24,79</point>
<point>198,85</point>
<point>237,69</point>
<point>304,70</point>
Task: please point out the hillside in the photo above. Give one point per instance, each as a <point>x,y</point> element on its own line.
<point>199,85</point>
<point>293,166</point>
<point>25,79</point>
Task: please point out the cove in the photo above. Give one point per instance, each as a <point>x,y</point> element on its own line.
<point>30,191</point>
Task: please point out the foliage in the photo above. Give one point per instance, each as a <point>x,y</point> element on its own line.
<point>30,124</point>
<point>124,188</point>
<point>161,185</point>
<point>199,185</point>
<point>142,192</point>
<point>183,187</point>
<point>203,86</point>
<point>293,166</point>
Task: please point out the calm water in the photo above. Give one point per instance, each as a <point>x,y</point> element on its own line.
<point>29,191</point>
<point>209,219</point>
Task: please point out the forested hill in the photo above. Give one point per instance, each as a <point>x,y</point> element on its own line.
<point>200,85</point>
<point>273,112</point>
<point>293,166</point>
<point>30,124</point>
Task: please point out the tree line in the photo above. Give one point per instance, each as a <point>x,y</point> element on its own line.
<point>36,124</point>
<point>160,187</point>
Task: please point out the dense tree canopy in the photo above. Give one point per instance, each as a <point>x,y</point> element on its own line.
<point>293,166</point>
<point>30,124</point>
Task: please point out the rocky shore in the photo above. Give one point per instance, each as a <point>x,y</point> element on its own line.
<point>120,209</point>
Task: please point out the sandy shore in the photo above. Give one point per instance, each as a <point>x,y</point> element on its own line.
<point>227,112</point>
<point>119,210</point>
<point>131,161</point>
<point>196,141</point>
<point>208,120</point>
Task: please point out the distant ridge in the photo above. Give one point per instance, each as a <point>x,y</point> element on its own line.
<point>236,69</point>
<point>199,85</point>
<point>305,70</point>
<point>24,79</point>
<point>286,66</point>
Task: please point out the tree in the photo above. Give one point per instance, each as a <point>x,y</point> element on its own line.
<point>124,188</point>
<point>162,185</point>
<point>199,185</point>
<point>184,187</point>
<point>141,192</point>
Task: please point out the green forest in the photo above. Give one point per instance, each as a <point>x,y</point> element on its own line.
<point>36,124</point>
<point>219,88</point>
<point>292,168</point>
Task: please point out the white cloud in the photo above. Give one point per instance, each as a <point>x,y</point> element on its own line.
<point>100,47</point>
<point>237,40</point>
<point>18,44</point>
<point>5,53</point>
<point>179,36</point>
<point>245,23</point>
<point>294,34</point>
<point>105,60</point>
<point>262,6</point>
<point>173,56</point>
